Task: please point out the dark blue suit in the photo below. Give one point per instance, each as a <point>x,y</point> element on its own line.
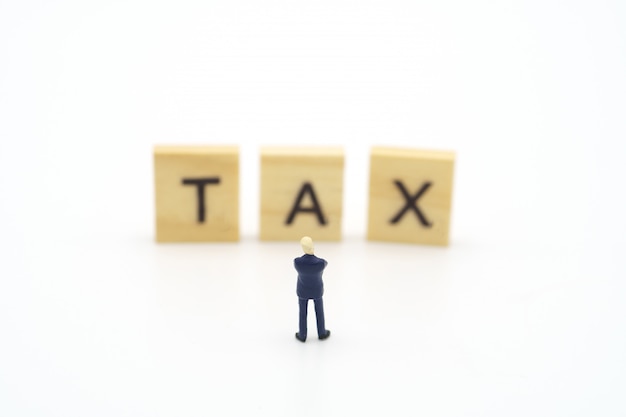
<point>310,287</point>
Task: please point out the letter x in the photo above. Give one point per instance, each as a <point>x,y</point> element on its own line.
<point>411,203</point>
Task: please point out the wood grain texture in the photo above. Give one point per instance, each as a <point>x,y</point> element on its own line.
<point>394,168</point>
<point>284,173</point>
<point>177,204</point>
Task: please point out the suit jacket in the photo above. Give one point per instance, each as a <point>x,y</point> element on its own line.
<point>310,269</point>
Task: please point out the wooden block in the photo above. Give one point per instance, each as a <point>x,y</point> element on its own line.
<point>197,193</point>
<point>301,193</point>
<point>410,195</point>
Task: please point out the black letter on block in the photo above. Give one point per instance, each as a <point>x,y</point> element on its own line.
<point>411,203</point>
<point>200,183</point>
<point>306,188</point>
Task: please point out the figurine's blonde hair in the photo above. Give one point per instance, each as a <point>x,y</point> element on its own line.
<point>307,245</point>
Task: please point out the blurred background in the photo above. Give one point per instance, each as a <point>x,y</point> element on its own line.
<point>523,313</point>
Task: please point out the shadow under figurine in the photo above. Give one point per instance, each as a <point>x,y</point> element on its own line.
<point>310,287</point>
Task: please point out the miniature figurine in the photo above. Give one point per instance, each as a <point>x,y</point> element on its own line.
<point>310,287</point>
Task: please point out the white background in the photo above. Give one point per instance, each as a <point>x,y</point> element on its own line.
<point>524,314</point>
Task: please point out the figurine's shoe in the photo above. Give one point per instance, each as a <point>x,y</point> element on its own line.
<point>325,336</point>
<point>302,339</point>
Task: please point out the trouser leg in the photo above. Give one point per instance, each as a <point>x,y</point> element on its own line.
<point>319,314</point>
<point>304,303</point>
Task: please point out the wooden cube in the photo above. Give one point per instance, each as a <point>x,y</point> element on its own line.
<point>197,193</point>
<point>410,195</point>
<point>301,193</point>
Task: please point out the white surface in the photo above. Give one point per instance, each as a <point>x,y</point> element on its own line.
<point>524,314</point>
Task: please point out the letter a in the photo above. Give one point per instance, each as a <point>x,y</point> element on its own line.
<point>307,188</point>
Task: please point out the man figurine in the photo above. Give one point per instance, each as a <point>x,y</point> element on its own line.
<point>310,287</point>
